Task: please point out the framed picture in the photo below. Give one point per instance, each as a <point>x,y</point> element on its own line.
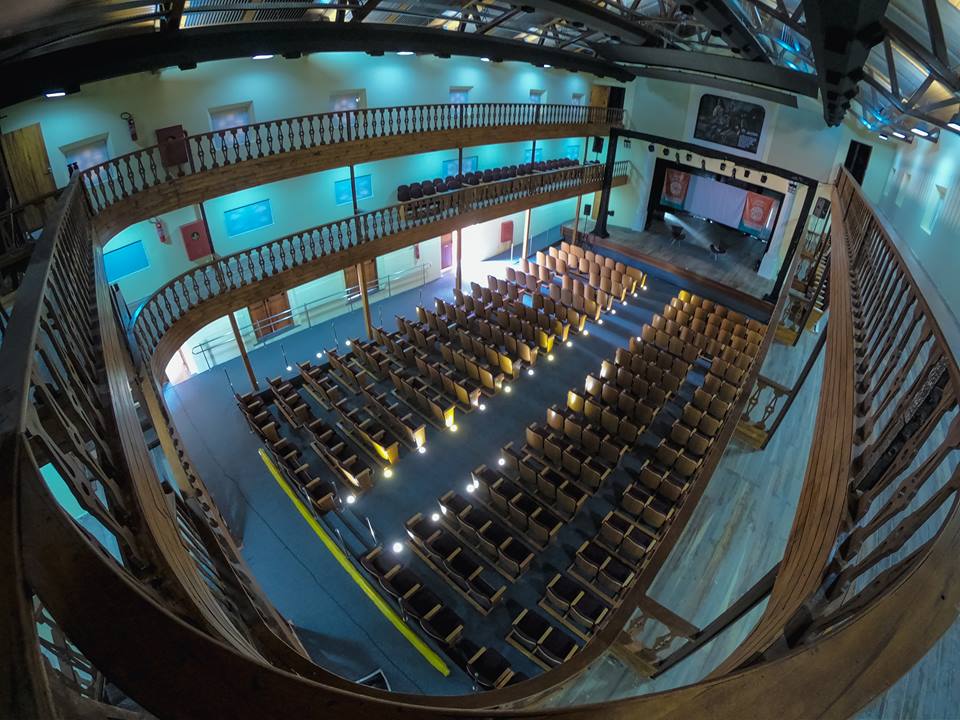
<point>726,121</point>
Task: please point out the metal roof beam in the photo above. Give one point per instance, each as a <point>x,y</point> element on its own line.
<point>722,20</point>
<point>585,15</point>
<point>114,57</point>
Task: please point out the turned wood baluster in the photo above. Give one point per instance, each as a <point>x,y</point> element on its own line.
<point>256,131</point>
<point>263,267</point>
<point>269,130</point>
<point>311,133</point>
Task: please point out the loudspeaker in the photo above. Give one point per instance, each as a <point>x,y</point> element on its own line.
<point>598,145</point>
<point>587,209</point>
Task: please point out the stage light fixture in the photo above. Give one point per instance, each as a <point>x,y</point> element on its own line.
<point>689,157</point>
<point>666,152</point>
<point>723,167</point>
<point>763,178</point>
<point>703,164</point>
<point>650,148</point>
<point>746,173</point>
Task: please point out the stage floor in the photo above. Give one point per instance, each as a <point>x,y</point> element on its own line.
<point>734,268</point>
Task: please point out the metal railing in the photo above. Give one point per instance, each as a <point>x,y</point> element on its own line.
<point>301,317</point>
<point>125,176</point>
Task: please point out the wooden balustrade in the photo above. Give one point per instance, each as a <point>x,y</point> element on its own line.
<point>809,284</point>
<point>867,584</point>
<point>124,176</point>
<point>320,245</point>
<point>18,226</point>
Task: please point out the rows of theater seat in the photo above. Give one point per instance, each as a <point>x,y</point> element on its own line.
<point>426,188</point>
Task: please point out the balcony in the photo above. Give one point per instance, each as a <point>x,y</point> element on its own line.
<point>195,298</point>
<point>193,168</point>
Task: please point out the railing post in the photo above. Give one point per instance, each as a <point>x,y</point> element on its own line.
<point>795,390</point>
<point>459,277</point>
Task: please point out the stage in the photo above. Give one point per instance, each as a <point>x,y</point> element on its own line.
<point>691,256</point>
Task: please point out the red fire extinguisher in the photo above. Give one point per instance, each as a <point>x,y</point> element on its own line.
<point>161,230</point>
<point>416,251</point>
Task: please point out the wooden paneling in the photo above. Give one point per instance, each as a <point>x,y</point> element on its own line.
<point>29,168</point>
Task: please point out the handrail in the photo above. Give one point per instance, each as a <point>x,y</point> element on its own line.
<point>861,598</point>
<point>347,295</point>
<point>305,248</point>
<point>124,176</point>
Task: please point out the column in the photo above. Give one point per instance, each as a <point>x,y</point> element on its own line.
<point>243,352</point>
<point>459,277</point>
<point>526,234</point>
<point>780,241</point>
<point>365,300</point>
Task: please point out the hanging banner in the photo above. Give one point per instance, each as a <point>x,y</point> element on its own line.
<point>756,213</point>
<point>675,184</point>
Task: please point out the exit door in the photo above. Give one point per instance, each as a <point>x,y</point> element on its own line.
<point>29,168</point>
<point>446,251</point>
<point>858,156</point>
<point>270,315</point>
<point>352,280</point>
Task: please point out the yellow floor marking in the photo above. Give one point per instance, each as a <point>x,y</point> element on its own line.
<point>352,571</point>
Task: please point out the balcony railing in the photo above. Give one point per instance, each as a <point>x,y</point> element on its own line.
<point>185,292</point>
<point>867,585</point>
<point>125,176</point>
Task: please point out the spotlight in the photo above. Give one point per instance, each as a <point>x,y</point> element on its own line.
<point>387,473</point>
<point>763,178</point>
<point>501,462</point>
<point>530,372</point>
<point>435,517</point>
<point>507,389</point>
<point>650,148</point>
<point>262,57</point>
<point>422,449</point>
<point>398,547</point>
<point>550,357</point>
<point>482,406</point>
<point>569,343</point>
<point>351,499</point>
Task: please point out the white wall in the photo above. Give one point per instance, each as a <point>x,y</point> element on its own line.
<point>928,165</point>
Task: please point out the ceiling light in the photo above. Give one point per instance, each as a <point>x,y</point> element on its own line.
<point>405,52</point>
<point>262,57</point>
<point>484,59</point>
<point>548,66</point>
<point>55,94</point>
<point>900,135</point>
<point>954,123</point>
<point>884,136</point>
<point>918,131</point>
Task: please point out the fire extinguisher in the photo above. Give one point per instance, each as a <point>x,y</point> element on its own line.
<point>161,230</point>
<point>416,251</point>
<point>131,125</point>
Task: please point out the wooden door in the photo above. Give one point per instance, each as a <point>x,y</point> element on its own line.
<point>446,251</point>
<point>352,280</point>
<point>270,315</point>
<point>29,168</point>
<point>599,95</point>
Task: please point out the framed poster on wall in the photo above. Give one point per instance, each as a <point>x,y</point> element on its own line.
<point>730,122</point>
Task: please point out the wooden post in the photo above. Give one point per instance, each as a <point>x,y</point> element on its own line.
<point>526,234</point>
<point>353,191</point>
<point>459,161</point>
<point>459,276</point>
<point>243,352</point>
<point>362,278</point>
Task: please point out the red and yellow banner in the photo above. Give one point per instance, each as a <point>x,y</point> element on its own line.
<point>756,213</point>
<point>675,186</point>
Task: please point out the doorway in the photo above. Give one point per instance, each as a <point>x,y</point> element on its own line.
<point>351,279</point>
<point>446,251</point>
<point>270,315</point>
<point>858,156</point>
<point>29,168</point>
